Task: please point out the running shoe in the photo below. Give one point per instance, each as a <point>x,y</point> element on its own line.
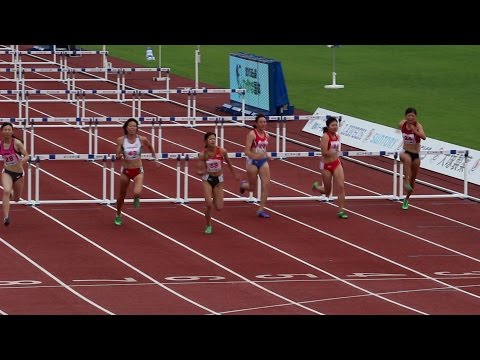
<point>342,215</point>
<point>6,221</point>
<point>208,229</point>
<point>405,204</point>
<point>118,220</point>
<point>263,214</point>
<point>136,202</point>
<point>317,187</point>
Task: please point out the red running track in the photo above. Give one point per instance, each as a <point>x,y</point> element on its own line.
<point>72,259</point>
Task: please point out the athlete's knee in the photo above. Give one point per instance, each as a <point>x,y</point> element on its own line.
<point>341,188</point>
<point>327,189</point>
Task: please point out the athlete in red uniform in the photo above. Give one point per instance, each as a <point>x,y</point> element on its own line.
<point>332,167</point>
<point>129,149</point>
<point>412,134</point>
<point>257,162</point>
<point>12,174</point>
<point>209,166</point>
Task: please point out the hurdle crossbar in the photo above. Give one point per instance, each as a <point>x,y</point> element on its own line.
<point>396,195</point>
<point>38,159</point>
<point>54,52</point>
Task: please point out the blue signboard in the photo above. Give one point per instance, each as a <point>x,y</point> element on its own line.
<point>264,83</point>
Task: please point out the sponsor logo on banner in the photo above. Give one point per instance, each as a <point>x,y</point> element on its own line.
<point>384,141</point>
<point>369,136</point>
<point>475,166</point>
<point>370,133</point>
<point>352,131</point>
<point>423,148</point>
<point>436,156</point>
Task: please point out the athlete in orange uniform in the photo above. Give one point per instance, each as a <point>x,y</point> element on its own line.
<point>209,166</point>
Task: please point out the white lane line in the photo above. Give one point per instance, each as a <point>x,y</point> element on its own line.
<point>302,260</point>
<point>383,257</point>
<point>177,242</point>
<point>49,274</point>
<point>123,261</point>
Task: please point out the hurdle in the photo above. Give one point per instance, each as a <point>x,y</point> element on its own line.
<point>157,126</point>
<point>397,184</point>
<point>136,97</point>
<point>190,108</point>
<point>288,155</point>
<point>36,160</point>
<point>67,75</point>
<point>17,55</point>
<point>462,155</point>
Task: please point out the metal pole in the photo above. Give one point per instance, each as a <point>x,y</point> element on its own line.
<point>334,60</point>
<point>160,59</point>
<point>197,61</point>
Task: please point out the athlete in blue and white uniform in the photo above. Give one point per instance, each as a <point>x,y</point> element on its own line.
<point>257,162</point>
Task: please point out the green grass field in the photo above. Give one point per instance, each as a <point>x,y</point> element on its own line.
<point>441,82</point>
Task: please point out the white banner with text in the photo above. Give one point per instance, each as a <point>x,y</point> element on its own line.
<point>369,136</point>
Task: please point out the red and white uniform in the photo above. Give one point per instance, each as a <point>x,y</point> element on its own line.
<point>214,164</point>
<point>132,151</point>
<point>334,146</point>
<point>409,137</point>
<point>260,144</point>
<point>10,157</point>
<point>334,143</point>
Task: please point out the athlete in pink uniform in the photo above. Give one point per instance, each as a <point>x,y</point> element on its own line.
<point>412,134</point>
<point>129,149</point>
<point>12,174</point>
<point>332,167</point>
<point>257,162</point>
<point>209,166</point>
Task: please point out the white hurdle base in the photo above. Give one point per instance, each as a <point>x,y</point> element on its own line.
<point>21,202</point>
<point>457,195</point>
<point>95,201</point>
